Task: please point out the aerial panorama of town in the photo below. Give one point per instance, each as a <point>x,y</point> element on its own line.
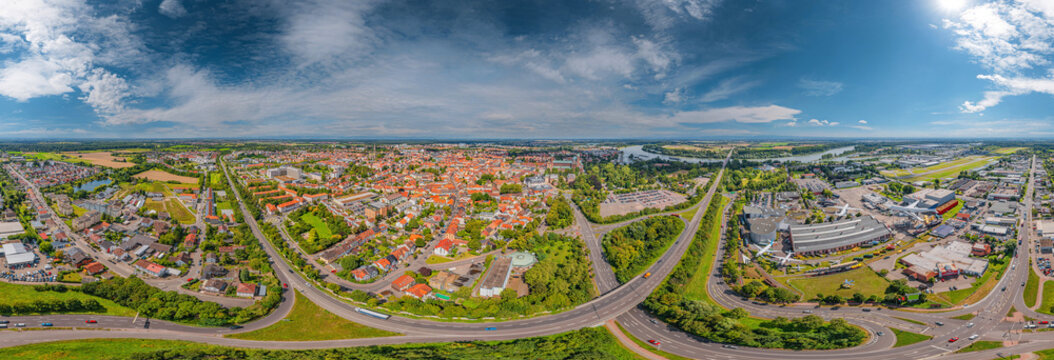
<point>535,180</point>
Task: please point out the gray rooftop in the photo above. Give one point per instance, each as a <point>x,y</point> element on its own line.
<point>817,237</point>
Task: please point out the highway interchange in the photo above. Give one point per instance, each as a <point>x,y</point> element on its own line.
<point>617,302</point>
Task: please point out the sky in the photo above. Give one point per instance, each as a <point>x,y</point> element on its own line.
<point>662,69</point>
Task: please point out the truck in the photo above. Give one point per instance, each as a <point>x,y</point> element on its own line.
<point>372,313</point>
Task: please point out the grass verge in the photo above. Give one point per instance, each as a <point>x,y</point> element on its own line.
<point>916,322</point>
<point>965,316</point>
<point>307,322</point>
<point>1031,288</point>
<point>11,294</point>
<point>905,338</point>
<point>648,346</point>
<point>1046,306</point>
<point>980,346</point>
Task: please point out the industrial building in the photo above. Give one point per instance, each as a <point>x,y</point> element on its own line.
<point>17,255</point>
<point>824,238</point>
<point>931,198</point>
<point>944,261</point>
<point>8,228</point>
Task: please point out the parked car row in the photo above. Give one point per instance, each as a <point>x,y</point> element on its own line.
<point>1044,265</point>
<point>31,276</point>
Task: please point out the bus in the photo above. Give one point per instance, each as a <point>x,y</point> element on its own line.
<point>373,313</point>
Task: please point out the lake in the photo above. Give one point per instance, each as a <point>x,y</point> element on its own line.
<point>92,185</point>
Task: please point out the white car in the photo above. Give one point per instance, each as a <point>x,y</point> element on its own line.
<point>970,325</point>
<point>974,336</point>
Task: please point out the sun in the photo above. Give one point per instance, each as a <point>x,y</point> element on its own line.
<point>951,5</point>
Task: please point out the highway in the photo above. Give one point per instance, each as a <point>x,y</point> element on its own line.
<point>618,302</point>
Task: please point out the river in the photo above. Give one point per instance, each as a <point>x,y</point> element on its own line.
<point>638,152</point>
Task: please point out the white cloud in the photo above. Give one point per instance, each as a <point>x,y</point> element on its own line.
<point>742,114</point>
<point>864,122</point>
<point>172,8</point>
<point>729,87</point>
<point>816,122</point>
<point>327,31</point>
<point>63,47</point>
<point>1013,39</point>
<point>861,127</point>
<point>673,97</point>
<point>663,14</point>
<point>820,88</point>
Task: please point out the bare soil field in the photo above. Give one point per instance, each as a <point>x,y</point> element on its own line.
<point>158,175</point>
<point>102,158</point>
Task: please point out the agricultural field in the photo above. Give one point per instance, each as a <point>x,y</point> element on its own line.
<point>159,175</point>
<point>42,156</point>
<point>865,281</point>
<point>102,158</point>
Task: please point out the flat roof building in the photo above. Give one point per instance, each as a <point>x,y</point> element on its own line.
<point>823,238</point>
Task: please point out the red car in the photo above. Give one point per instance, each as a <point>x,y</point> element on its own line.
<point>190,279</point>
<point>90,321</point>
<point>285,285</point>
<point>654,342</point>
<point>1044,322</point>
<point>954,339</point>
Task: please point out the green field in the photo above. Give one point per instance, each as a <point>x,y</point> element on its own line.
<point>1031,288</point>
<point>321,229</point>
<point>11,293</point>
<point>950,169</point>
<point>308,322</point>
<point>905,338</point>
<point>981,345</point>
<point>1048,298</point>
<point>223,205</point>
<point>697,285</point>
<point>215,179</point>
<point>43,156</point>
<point>866,282</point>
<point>1007,150</point>
<point>688,214</point>
<point>154,186</point>
<point>178,212</point>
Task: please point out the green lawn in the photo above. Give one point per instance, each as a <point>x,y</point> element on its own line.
<point>1045,354</point>
<point>1031,288</point>
<point>11,293</point>
<point>224,205</point>
<point>866,282</point>
<point>92,349</point>
<point>905,338</point>
<point>321,229</point>
<point>965,316</point>
<point>697,285</point>
<point>1048,298</point>
<point>981,345</point>
<point>688,214</point>
<point>436,259</point>
<point>979,288</point>
<point>951,169</point>
<point>307,322</point>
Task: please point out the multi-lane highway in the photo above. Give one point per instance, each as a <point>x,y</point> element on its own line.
<point>615,302</point>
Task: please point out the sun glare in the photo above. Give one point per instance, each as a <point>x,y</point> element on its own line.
<point>951,5</point>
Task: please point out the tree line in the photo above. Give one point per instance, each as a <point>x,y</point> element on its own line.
<point>155,303</point>
<point>632,248</point>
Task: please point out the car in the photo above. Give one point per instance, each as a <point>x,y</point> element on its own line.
<point>939,323</point>
<point>954,339</point>
<point>654,342</point>
<point>45,324</point>
<point>90,321</point>
<point>806,311</point>
<point>974,336</point>
<point>729,346</point>
<point>866,309</point>
<point>285,285</point>
<point>880,333</point>
<point>653,321</point>
<point>491,328</point>
<point>4,321</point>
<point>970,325</point>
<point>236,327</point>
<point>1044,322</point>
<point>20,325</point>
<point>647,275</point>
<point>1004,288</point>
<point>190,279</point>
<point>1022,283</point>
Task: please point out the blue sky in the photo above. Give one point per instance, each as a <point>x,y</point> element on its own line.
<point>526,69</point>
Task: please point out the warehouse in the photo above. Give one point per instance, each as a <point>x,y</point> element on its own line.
<point>824,238</point>
<point>945,261</point>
